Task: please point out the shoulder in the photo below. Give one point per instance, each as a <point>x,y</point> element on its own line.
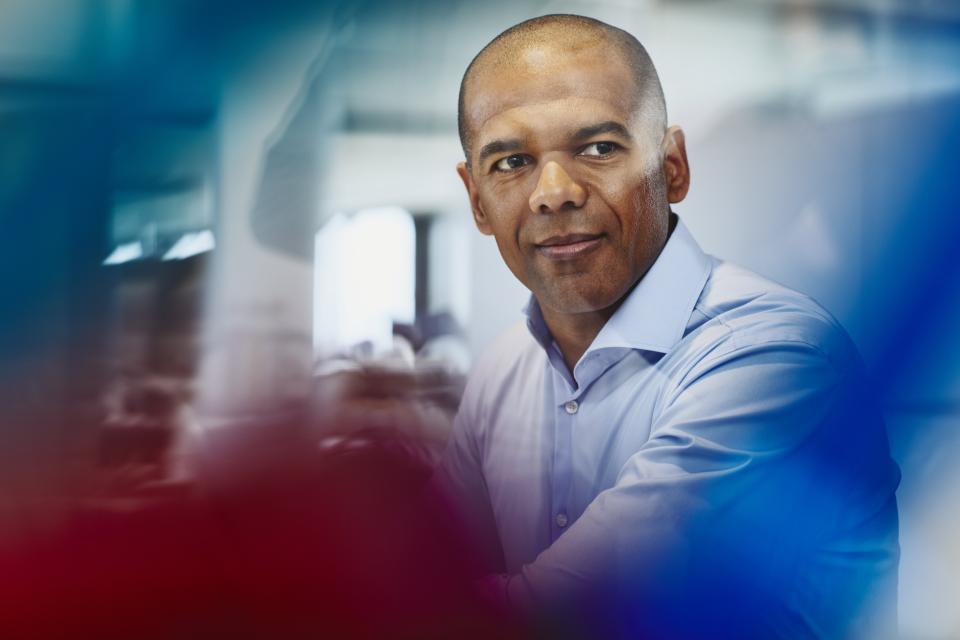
<point>510,353</point>
<point>739,312</point>
<point>764,358</point>
<point>511,358</point>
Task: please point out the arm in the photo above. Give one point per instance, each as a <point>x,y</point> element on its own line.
<point>459,481</point>
<point>758,455</point>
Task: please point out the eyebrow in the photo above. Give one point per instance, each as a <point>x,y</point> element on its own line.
<point>584,133</point>
<point>609,126</point>
<point>498,146</point>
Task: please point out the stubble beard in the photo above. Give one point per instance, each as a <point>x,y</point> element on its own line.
<point>649,201</point>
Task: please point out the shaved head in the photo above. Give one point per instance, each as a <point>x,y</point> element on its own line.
<point>532,47</point>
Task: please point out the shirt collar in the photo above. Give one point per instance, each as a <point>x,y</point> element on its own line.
<point>655,314</point>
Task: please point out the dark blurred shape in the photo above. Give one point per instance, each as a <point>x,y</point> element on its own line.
<point>143,444</point>
<point>428,327</point>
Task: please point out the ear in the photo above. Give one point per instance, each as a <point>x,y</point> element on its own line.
<point>676,170</point>
<point>479,217</point>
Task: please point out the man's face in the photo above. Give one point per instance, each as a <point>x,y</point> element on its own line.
<point>563,176</point>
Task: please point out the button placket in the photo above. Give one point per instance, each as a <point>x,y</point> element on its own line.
<point>562,481</point>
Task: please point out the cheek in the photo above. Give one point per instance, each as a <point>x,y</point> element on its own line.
<point>649,201</point>
<point>623,190</point>
<point>505,211</point>
<point>503,228</point>
<point>630,206</point>
<point>650,223</point>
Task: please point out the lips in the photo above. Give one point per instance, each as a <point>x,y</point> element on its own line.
<point>569,245</point>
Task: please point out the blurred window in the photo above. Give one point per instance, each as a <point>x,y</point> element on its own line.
<point>364,279</point>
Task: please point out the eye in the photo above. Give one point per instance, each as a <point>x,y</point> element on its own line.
<point>511,163</point>
<point>599,149</point>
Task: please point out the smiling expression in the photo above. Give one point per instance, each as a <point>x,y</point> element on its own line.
<point>564,177</point>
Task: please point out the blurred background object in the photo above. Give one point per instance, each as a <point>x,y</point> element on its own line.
<point>212,211</point>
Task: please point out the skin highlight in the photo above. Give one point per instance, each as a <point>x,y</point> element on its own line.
<point>563,173</point>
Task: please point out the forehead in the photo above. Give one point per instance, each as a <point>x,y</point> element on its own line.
<point>547,74</point>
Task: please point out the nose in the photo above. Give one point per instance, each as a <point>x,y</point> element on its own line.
<point>556,190</point>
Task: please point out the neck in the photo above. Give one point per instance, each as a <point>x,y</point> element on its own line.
<point>574,332</point>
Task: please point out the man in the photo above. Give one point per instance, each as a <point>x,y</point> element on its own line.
<point>672,445</point>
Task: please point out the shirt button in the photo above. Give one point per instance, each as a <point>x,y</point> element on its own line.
<point>571,407</point>
<point>561,520</point>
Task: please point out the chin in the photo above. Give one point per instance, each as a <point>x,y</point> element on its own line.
<point>577,301</point>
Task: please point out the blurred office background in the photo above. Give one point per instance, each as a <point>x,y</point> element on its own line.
<point>210,209</point>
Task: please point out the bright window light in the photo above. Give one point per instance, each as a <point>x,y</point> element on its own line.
<point>191,244</point>
<point>125,253</point>
<point>364,278</point>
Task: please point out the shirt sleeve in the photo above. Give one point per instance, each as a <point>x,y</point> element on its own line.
<point>758,456</point>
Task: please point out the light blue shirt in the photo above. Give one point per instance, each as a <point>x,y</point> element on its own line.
<point>714,410</point>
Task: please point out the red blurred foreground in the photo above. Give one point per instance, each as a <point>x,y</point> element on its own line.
<point>278,538</point>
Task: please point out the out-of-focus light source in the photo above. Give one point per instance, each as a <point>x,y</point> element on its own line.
<point>125,253</point>
<point>191,244</point>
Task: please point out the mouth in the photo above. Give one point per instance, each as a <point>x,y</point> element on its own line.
<point>568,246</point>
